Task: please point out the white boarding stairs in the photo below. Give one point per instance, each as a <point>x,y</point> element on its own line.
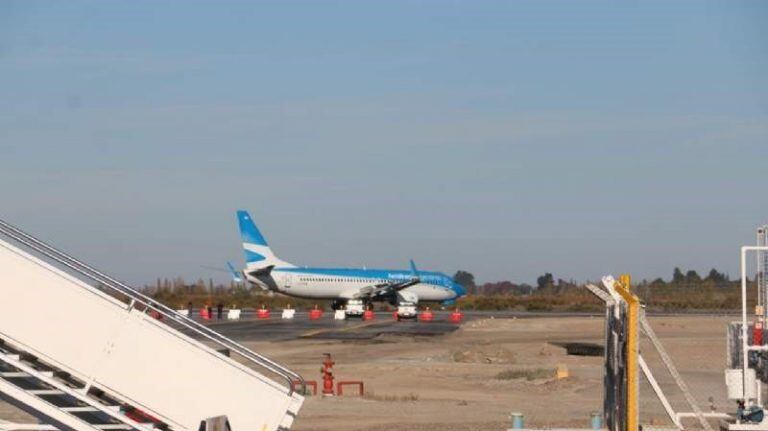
<point>86,358</point>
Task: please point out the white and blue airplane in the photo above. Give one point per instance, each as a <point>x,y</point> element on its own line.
<point>268,272</point>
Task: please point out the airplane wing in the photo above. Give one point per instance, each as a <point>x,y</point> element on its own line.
<point>388,289</point>
<point>384,290</point>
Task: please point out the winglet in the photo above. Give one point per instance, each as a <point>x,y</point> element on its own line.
<point>414,271</point>
<point>235,275</point>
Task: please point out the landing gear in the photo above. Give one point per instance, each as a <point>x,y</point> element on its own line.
<point>338,304</point>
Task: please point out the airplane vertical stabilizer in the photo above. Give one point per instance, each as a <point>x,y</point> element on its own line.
<point>255,247</point>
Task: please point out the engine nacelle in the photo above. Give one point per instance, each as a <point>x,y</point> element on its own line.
<point>264,282</point>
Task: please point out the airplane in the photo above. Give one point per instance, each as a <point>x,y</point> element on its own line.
<point>268,272</point>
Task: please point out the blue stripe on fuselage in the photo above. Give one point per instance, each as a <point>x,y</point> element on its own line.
<point>434,278</point>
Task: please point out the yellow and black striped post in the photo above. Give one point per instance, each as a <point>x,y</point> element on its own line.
<point>623,287</point>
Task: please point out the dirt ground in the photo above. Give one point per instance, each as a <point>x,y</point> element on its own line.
<point>451,382</point>
<point>473,378</point>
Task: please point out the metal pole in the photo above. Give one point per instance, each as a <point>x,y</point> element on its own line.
<point>762,260</point>
<point>659,393</point>
<point>744,360</point>
<point>762,292</point>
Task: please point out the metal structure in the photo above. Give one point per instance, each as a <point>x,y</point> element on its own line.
<point>106,357</point>
<point>747,353</point>
<point>620,384</point>
<point>746,387</point>
<point>625,320</point>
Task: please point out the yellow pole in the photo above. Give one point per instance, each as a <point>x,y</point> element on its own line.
<point>633,304</point>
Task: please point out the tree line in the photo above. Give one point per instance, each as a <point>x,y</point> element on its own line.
<point>686,290</point>
<point>546,283</point>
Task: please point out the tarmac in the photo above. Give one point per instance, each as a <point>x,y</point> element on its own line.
<point>275,329</point>
<point>326,328</point>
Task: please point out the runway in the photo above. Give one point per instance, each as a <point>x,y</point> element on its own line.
<point>276,329</point>
<point>249,328</point>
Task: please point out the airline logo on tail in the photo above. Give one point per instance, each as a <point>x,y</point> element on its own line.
<point>257,252</point>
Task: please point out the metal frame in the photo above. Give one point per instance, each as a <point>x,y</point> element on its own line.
<point>621,304</point>
<point>745,347</point>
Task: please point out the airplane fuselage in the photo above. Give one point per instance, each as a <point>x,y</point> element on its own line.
<point>342,283</point>
<point>267,271</point>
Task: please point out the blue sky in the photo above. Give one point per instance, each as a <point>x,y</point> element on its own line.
<point>502,138</point>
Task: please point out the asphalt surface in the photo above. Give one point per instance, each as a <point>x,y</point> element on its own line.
<point>277,329</point>
<point>249,328</point>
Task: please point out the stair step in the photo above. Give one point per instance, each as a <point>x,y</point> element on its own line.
<point>25,374</point>
<point>14,374</point>
<point>113,426</point>
<point>46,392</point>
<point>80,409</point>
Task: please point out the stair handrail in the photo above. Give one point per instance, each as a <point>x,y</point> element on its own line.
<point>90,272</point>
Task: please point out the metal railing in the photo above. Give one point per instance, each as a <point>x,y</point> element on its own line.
<point>137,297</point>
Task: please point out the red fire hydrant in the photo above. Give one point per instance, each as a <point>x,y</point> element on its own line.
<point>327,372</point>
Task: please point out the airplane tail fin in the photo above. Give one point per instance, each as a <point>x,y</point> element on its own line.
<point>258,255</point>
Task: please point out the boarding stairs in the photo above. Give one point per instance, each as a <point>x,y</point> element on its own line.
<point>90,353</point>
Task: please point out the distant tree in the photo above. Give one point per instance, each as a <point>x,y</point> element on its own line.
<point>566,285</point>
<point>467,280</point>
<point>545,281</point>
<point>716,276</point>
<point>692,277</point>
<point>678,276</point>
<point>178,282</point>
<point>525,289</point>
<point>199,287</point>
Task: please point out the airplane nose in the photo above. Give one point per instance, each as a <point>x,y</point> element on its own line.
<point>459,289</point>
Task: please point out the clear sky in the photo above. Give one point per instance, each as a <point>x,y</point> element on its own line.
<point>502,138</point>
